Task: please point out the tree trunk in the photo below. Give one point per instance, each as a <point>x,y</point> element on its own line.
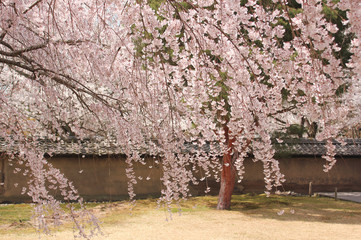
<point>228,175</point>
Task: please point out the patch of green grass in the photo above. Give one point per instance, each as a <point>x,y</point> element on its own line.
<point>15,217</point>
<point>18,217</point>
<point>304,208</point>
<point>316,209</point>
<point>15,213</point>
<point>77,206</point>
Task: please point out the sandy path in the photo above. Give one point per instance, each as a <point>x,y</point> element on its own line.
<point>214,225</point>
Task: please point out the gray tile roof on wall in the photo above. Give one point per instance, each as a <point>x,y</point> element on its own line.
<point>304,147</point>
<point>311,147</point>
<point>70,147</point>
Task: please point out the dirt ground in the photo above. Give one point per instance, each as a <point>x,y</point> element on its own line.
<point>219,225</point>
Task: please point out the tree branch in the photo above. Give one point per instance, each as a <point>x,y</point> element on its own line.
<point>32,6</point>
<point>19,52</point>
<point>16,64</point>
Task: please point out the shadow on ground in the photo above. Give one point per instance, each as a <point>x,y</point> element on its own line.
<point>292,208</point>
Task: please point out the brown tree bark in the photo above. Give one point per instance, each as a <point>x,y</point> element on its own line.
<point>228,175</point>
